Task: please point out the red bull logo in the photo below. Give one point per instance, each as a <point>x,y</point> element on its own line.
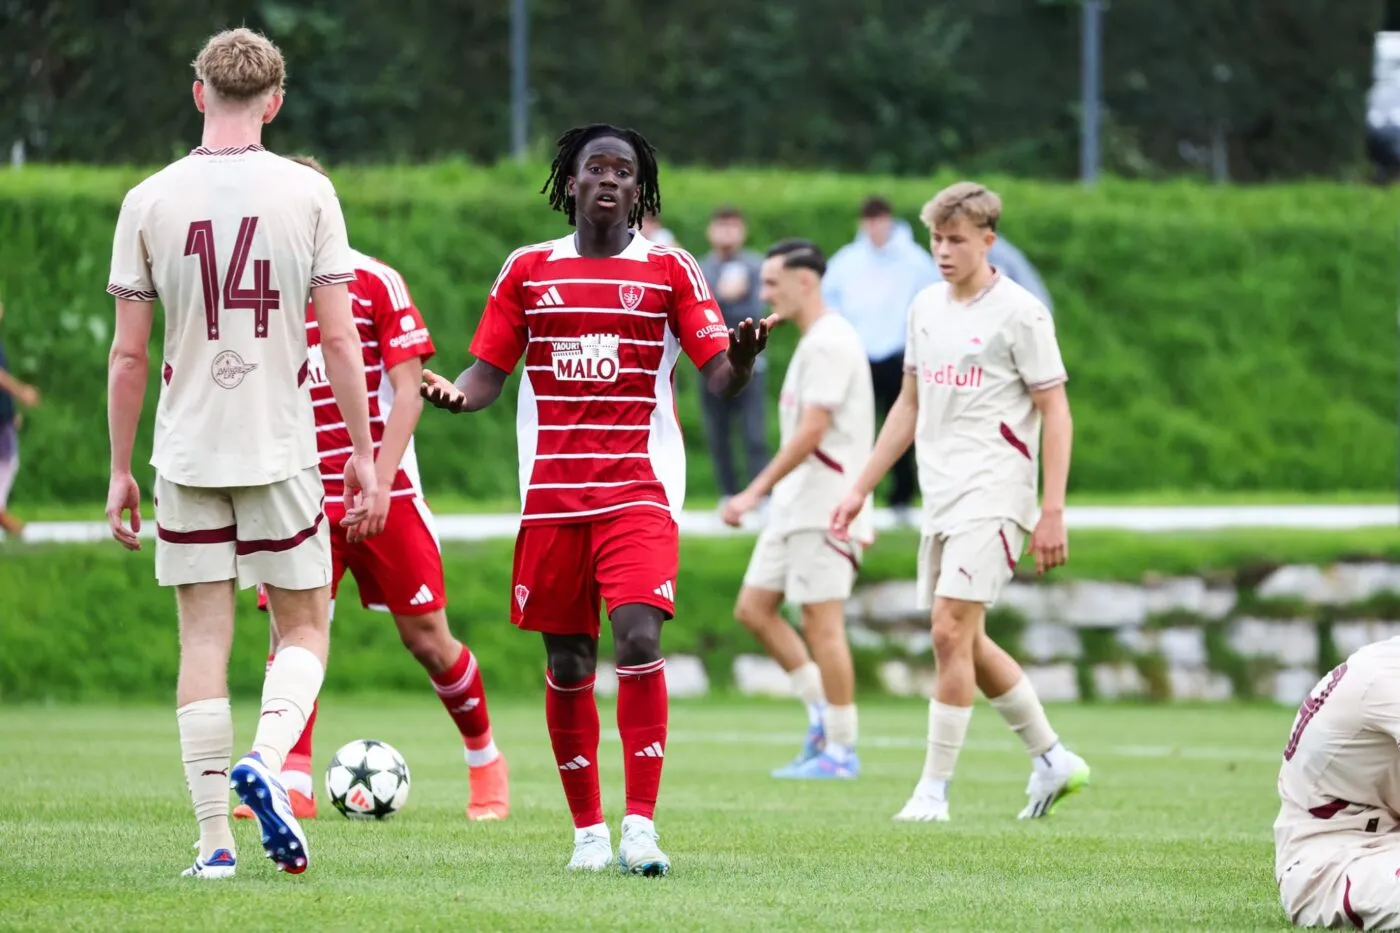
<point>948,375</point>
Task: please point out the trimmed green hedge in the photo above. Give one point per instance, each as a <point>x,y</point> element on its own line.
<point>1217,338</point>
<point>80,621</point>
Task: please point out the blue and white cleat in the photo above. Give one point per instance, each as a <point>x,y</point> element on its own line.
<point>824,767</point>
<point>282,836</point>
<point>639,853</point>
<point>813,746</point>
<point>220,865</point>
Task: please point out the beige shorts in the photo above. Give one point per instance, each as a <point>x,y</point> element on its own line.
<point>807,567</point>
<point>974,564</point>
<point>1352,889</point>
<point>274,534</point>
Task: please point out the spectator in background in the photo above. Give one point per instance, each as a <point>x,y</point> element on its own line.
<point>1013,264</point>
<point>871,282</point>
<point>653,230</point>
<point>12,392</point>
<point>734,275</point>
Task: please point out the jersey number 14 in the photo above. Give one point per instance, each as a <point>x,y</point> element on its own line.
<point>260,298</point>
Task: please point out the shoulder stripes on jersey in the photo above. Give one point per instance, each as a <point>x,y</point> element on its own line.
<point>393,282</point>
<point>692,270</point>
<point>331,278</point>
<point>511,259</point>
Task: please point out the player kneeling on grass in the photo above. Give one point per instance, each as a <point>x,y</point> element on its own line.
<point>982,370</point>
<point>399,570</point>
<point>1337,837</point>
<point>827,414</point>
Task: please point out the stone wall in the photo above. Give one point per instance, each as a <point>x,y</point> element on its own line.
<point>1267,633</point>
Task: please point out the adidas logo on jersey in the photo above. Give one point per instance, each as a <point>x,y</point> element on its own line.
<point>578,764</point>
<point>550,299</point>
<point>422,597</point>
<point>653,750</point>
<point>666,590</point>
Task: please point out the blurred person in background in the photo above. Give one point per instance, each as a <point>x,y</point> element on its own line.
<point>654,230</point>
<point>1012,263</point>
<point>13,393</point>
<point>734,275</point>
<point>871,282</point>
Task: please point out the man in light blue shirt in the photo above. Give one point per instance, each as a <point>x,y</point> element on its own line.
<point>871,283</point>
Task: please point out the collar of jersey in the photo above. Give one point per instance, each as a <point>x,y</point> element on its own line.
<point>227,151</point>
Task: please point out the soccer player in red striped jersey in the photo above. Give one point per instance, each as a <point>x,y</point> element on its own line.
<point>400,569</point>
<point>601,318</point>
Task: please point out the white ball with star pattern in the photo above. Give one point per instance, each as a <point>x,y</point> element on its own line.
<point>367,780</point>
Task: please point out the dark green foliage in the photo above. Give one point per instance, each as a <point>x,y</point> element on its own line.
<point>907,86</point>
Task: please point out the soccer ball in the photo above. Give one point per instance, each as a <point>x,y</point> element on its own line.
<point>367,780</point>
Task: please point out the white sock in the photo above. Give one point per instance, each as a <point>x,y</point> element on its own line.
<point>637,821</point>
<point>947,730</point>
<point>477,757</point>
<point>206,743</point>
<point>298,781</point>
<point>807,684</point>
<point>600,829</point>
<point>289,692</point>
<point>840,725</point>
<point>1021,709</point>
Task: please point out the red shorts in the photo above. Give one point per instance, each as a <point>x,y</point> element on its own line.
<point>398,570</point>
<point>564,573</point>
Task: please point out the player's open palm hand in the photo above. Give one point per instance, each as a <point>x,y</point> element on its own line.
<point>442,393</point>
<point>1050,541</point>
<point>845,513</point>
<point>124,496</point>
<point>747,340</point>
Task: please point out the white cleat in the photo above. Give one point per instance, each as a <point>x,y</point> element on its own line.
<point>592,849</point>
<point>923,809</point>
<point>638,852</point>
<point>221,864</point>
<point>1047,788</point>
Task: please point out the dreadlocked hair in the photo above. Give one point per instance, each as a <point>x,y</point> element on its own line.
<point>566,162</point>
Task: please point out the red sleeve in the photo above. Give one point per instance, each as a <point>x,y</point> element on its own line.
<point>401,332</point>
<point>695,315</point>
<point>501,337</point>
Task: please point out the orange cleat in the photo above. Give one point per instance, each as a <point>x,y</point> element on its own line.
<point>303,807</point>
<point>490,790</point>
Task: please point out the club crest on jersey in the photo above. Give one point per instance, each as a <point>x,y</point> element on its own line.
<point>229,369</point>
<point>589,358</point>
<point>631,295</point>
<point>522,593</point>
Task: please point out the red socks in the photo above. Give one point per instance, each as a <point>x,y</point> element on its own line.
<point>464,695</point>
<point>642,709</point>
<point>571,715</point>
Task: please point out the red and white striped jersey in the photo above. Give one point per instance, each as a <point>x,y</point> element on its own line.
<point>597,424</point>
<point>391,332</point>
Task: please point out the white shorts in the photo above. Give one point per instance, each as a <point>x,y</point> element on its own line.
<point>274,534</point>
<point>974,564</point>
<point>807,567</point>
<point>1351,888</point>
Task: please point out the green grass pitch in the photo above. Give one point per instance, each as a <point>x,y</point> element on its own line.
<point>1173,834</point>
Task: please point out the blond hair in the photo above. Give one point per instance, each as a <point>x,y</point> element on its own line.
<point>980,205</point>
<point>310,162</point>
<point>240,65</point>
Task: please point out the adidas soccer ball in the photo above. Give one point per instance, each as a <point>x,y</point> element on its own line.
<point>367,780</point>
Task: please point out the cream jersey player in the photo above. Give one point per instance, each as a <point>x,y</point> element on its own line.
<point>231,241</point>
<point>1337,834</point>
<point>977,438</point>
<point>795,554</point>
